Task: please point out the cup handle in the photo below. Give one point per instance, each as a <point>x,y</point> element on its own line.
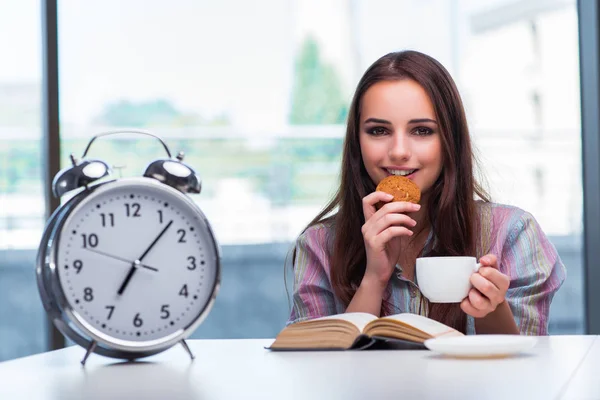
<point>477,266</point>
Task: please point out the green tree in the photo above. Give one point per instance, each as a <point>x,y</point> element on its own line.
<point>158,112</point>
<point>317,97</point>
<point>128,113</point>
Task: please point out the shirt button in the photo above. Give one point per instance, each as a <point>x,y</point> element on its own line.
<point>413,292</point>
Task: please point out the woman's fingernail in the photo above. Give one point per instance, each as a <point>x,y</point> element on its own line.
<point>416,206</point>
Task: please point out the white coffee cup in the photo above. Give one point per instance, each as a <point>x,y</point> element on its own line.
<point>445,279</point>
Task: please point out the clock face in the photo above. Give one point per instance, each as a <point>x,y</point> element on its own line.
<point>136,261</point>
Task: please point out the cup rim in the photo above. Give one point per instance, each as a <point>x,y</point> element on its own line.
<point>448,257</point>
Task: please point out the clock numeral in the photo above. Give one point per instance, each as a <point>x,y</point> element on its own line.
<point>181,233</point>
<point>133,210</point>
<point>88,294</point>
<point>111,308</point>
<point>137,321</point>
<point>89,240</point>
<point>183,292</point>
<point>160,216</point>
<point>78,264</point>
<point>110,219</point>
<point>165,311</point>
<point>192,261</point>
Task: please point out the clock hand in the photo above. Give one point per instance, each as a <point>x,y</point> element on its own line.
<point>120,259</point>
<point>127,278</point>
<point>137,262</point>
<point>155,240</point>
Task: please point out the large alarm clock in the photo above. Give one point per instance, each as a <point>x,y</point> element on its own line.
<point>128,267</point>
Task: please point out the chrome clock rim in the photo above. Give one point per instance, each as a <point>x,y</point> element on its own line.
<point>68,320</point>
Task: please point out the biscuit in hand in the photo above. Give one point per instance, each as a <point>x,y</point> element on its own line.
<point>402,188</point>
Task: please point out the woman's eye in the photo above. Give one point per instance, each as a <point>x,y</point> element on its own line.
<point>423,131</point>
<point>377,131</point>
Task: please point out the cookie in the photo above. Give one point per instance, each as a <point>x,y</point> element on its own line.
<point>403,189</point>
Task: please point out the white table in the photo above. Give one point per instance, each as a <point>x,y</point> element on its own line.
<point>558,367</point>
<point>585,383</point>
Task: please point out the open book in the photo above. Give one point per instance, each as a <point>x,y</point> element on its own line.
<point>360,330</point>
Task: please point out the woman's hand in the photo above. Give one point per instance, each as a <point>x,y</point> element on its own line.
<point>489,288</point>
<point>382,231</point>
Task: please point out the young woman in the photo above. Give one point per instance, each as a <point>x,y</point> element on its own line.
<point>407,118</point>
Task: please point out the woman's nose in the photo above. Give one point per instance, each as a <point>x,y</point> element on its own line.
<point>399,147</point>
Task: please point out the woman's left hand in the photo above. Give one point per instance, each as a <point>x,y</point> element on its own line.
<point>489,288</point>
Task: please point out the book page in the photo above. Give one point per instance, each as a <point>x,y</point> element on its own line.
<point>357,318</point>
<point>427,325</point>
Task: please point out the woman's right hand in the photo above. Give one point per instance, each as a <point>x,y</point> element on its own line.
<point>382,231</point>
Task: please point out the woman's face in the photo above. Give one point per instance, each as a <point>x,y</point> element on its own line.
<point>399,133</point>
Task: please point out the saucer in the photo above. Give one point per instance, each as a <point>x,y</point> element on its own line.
<point>481,346</point>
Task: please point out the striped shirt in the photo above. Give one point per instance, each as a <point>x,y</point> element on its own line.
<point>524,254</point>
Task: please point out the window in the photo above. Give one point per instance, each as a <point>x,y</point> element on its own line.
<point>256,95</point>
<point>521,77</point>
<point>21,191</point>
<point>257,100</point>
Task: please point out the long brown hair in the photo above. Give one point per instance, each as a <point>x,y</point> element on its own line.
<point>451,203</point>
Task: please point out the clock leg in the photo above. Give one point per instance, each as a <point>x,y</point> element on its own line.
<point>187,348</point>
<point>90,350</point>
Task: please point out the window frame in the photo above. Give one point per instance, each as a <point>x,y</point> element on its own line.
<point>590,122</point>
<point>50,129</point>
